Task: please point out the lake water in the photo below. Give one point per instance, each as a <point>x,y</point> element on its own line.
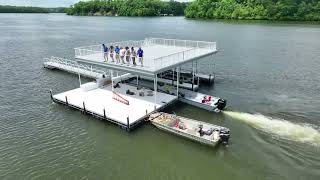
<point>268,72</point>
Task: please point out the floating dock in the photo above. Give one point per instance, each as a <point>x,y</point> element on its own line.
<point>123,104</point>
<point>116,106</point>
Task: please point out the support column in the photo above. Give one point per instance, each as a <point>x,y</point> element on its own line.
<point>155,91</point>
<point>173,77</point>
<point>79,75</point>
<point>79,79</point>
<point>111,75</point>
<point>192,76</point>
<point>197,72</point>
<point>137,81</point>
<point>198,83</point>
<point>213,67</point>
<point>178,78</point>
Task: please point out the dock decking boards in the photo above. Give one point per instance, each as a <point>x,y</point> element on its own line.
<point>99,102</point>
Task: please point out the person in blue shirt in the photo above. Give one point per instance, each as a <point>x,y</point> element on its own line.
<point>105,52</point>
<point>140,55</point>
<point>117,51</point>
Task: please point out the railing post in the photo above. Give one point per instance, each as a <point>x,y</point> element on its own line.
<point>128,124</point>
<point>104,113</point>
<point>51,96</point>
<point>84,107</point>
<point>67,101</point>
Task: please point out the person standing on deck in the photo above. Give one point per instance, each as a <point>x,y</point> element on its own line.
<point>112,53</point>
<point>105,52</point>
<point>117,51</point>
<point>133,56</point>
<point>128,55</point>
<point>122,54</point>
<point>140,55</point>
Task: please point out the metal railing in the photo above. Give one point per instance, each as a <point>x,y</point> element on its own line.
<point>88,50</point>
<point>74,66</point>
<point>97,49</point>
<point>175,58</point>
<point>192,48</point>
<point>182,43</point>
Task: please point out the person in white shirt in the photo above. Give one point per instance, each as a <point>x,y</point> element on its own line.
<point>128,55</point>
<point>133,56</point>
<point>122,54</point>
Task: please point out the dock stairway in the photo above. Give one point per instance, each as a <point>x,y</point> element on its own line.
<point>74,67</point>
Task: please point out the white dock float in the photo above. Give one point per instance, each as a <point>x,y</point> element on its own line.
<point>73,67</point>
<point>100,103</point>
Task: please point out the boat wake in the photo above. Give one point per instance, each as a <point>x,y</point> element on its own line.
<point>281,128</point>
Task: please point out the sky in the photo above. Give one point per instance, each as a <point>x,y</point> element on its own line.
<point>45,3</point>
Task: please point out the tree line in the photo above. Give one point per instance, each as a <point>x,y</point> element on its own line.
<point>308,10</point>
<point>29,9</point>
<point>127,8</point>
<point>22,9</point>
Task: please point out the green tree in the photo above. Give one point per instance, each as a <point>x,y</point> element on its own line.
<point>126,8</point>
<point>254,9</point>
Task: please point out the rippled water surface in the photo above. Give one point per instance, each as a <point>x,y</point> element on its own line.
<point>269,73</point>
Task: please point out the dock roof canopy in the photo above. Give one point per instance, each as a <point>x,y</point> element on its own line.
<point>159,54</point>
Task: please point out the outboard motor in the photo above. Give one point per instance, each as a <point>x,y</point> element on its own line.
<point>221,104</point>
<point>224,136</point>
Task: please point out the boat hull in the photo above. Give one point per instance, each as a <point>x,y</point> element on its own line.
<point>185,135</point>
<point>199,105</point>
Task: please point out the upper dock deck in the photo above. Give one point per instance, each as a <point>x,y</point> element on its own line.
<point>159,54</point>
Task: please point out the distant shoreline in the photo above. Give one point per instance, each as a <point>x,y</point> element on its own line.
<point>203,9</point>
<point>235,21</point>
<point>30,9</point>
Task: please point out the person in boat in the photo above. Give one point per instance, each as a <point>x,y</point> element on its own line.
<point>201,131</point>
<point>122,54</point>
<point>140,55</point>
<point>128,55</point>
<point>117,51</point>
<point>133,56</point>
<point>112,53</point>
<point>105,52</point>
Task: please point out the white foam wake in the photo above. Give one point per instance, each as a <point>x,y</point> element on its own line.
<point>280,127</point>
